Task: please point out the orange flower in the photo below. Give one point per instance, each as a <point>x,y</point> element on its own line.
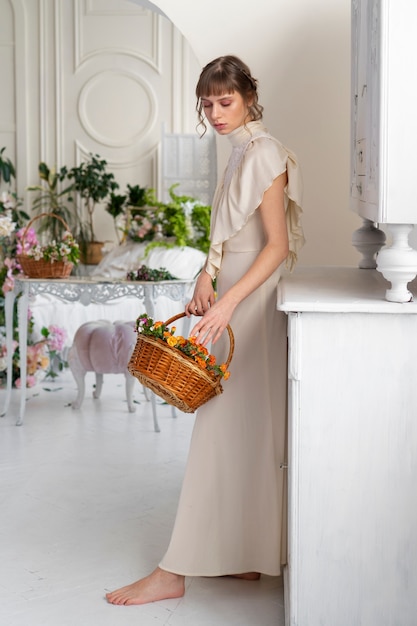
<point>157,324</point>
<point>201,362</point>
<point>223,367</point>
<point>212,359</point>
<point>226,375</point>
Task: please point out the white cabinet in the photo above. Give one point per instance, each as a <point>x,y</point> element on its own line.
<point>352,464</point>
<point>384,129</point>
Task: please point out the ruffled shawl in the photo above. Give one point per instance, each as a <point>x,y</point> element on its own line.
<point>256,160</point>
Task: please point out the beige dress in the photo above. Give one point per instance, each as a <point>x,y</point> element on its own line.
<point>231,514</point>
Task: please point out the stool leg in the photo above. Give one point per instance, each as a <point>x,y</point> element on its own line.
<point>99,386</point>
<point>129,383</point>
<point>79,373</point>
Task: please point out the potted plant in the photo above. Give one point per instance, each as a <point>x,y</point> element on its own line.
<point>52,200</point>
<point>92,184</point>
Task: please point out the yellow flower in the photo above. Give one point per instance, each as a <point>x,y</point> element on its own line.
<point>172,341</point>
<point>226,375</point>
<point>44,362</point>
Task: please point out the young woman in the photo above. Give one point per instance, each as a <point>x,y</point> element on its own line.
<point>231,514</point>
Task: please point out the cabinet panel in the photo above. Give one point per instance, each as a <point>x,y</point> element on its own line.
<point>352,468</point>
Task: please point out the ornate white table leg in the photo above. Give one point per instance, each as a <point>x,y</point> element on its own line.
<point>368,241</point>
<point>9,307</point>
<point>23,305</point>
<point>398,263</point>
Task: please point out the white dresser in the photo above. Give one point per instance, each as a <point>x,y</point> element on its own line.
<point>352,468</point>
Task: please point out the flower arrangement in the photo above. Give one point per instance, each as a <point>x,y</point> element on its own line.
<point>189,347</point>
<point>43,356</point>
<point>65,250</point>
<point>55,337</point>
<point>147,274</point>
<point>140,217</point>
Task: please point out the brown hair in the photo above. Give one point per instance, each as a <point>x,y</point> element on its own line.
<point>227,74</point>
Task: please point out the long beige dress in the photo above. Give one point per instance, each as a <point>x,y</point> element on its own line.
<point>231,514</point>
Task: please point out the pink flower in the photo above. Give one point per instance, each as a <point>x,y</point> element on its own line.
<point>30,381</point>
<point>56,338</point>
<point>8,284</point>
<point>31,240</point>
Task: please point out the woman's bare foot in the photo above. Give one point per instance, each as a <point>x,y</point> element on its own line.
<point>160,585</point>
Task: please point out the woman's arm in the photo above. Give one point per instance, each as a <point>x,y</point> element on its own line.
<point>203,297</point>
<point>275,251</point>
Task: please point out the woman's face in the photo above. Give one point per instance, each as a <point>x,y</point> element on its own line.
<point>226,112</point>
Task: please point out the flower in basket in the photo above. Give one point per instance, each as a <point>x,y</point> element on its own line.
<point>190,347</point>
<point>65,250</point>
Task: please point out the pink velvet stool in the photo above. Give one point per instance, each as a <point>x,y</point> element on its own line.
<point>102,347</point>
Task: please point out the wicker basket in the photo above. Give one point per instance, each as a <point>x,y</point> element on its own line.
<point>40,268</point>
<point>172,375</point>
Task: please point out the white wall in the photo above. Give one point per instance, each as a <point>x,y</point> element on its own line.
<point>300,52</point>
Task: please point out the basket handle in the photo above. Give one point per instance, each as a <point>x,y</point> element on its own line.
<point>228,328</point>
<point>29,224</point>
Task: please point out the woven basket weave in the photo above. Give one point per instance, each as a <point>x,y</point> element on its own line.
<point>40,268</point>
<point>172,375</point>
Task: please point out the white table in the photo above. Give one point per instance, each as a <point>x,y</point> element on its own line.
<point>87,291</point>
<point>352,463</point>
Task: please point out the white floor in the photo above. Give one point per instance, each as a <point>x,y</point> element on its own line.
<point>87,503</point>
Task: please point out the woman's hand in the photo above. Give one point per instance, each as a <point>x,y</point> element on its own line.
<point>214,321</point>
<point>203,297</point>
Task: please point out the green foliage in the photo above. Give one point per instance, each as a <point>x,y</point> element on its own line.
<point>115,204</point>
<point>185,219</point>
<point>137,195</point>
<point>52,199</point>
<point>94,184</point>
<point>7,169</point>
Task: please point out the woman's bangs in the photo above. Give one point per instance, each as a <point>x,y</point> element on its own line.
<point>215,85</point>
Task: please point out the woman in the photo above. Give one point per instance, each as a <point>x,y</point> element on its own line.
<point>230,519</point>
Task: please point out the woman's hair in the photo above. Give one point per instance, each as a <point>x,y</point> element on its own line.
<point>227,74</point>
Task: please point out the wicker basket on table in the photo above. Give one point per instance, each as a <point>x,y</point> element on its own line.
<point>34,268</point>
<point>173,375</point>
